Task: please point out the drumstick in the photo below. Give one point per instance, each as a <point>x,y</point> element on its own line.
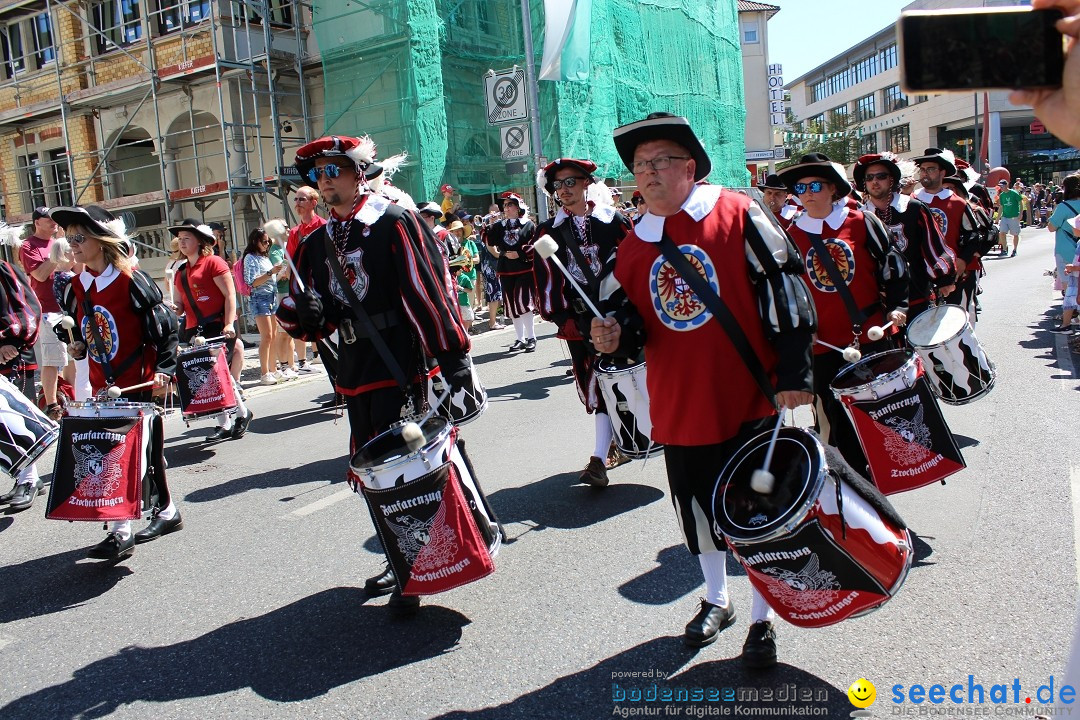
<point>545,247</point>
<point>413,434</point>
<point>115,392</point>
<point>199,340</point>
<point>851,354</point>
<point>763,481</point>
<point>878,331</point>
<point>67,322</point>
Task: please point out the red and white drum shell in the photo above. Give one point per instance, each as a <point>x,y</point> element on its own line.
<point>203,381</point>
<point>28,432</point>
<point>957,367</point>
<point>626,395</point>
<point>462,407</point>
<point>878,376</point>
<point>816,550</point>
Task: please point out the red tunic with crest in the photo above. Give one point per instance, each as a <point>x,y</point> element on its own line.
<point>956,221</point>
<point>121,329</point>
<point>845,235</point>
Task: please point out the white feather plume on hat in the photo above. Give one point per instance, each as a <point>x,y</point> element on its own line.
<point>117,228</point>
<point>364,152</point>
<point>389,166</point>
<point>908,170</point>
<point>598,194</point>
<point>398,196</point>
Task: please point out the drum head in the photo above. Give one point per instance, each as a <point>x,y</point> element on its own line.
<point>389,446</point>
<point>614,366</point>
<point>798,465</point>
<point>870,367</point>
<point>937,325</point>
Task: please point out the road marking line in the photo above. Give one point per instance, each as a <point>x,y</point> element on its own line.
<point>321,504</point>
<point>1064,356</point>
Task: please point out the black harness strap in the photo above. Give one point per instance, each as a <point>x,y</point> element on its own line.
<point>858,318</point>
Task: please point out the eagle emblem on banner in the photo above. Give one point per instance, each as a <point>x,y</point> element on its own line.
<point>98,474</point>
<point>426,545</point>
<point>203,381</point>
<point>675,302</point>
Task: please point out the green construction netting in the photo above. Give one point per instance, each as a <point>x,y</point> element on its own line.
<point>410,74</point>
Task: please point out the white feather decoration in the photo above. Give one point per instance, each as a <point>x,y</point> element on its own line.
<point>364,152</point>
<point>117,228</point>
<point>12,235</point>
<point>398,196</point>
<point>598,194</point>
<point>276,230</point>
<point>908,170</point>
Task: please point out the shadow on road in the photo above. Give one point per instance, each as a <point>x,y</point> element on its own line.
<point>559,502</point>
<point>54,583</point>
<point>537,388</point>
<point>592,693</point>
<point>922,550</point>
<point>330,471</point>
<point>963,441</point>
<point>6,522</point>
<point>297,652</point>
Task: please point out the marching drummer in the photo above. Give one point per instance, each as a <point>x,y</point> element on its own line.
<point>396,277</point>
<point>851,266</point>
<point>731,241</point>
<point>130,336</point>
<point>207,295</point>
<point>586,234</point>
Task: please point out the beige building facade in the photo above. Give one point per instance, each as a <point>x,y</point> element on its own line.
<point>762,88</point>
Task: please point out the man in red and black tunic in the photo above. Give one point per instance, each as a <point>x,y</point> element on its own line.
<point>587,234</point>
<point>512,237</point>
<point>912,229</point>
<point>395,269</point>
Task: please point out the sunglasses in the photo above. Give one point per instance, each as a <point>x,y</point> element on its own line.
<point>815,187</point>
<point>878,176</point>
<point>567,183</point>
<point>332,171</point>
<point>77,239</point>
<point>299,200</point>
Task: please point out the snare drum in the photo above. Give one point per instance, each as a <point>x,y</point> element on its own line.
<point>956,364</point>
<point>27,431</point>
<point>877,376</point>
<point>626,396</point>
<point>824,546</point>
<point>102,468</point>
<point>465,405</point>
<point>429,510</point>
<point>204,382</point>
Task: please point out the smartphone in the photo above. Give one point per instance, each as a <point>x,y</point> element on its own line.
<point>980,49</point>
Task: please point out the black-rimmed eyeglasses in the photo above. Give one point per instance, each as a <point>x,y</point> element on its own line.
<point>657,163</point>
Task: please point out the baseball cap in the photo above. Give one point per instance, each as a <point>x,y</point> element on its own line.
<point>40,212</point>
<point>216,226</point>
<point>1003,182</point>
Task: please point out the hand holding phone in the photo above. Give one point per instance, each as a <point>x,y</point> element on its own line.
<point>1058,108</point>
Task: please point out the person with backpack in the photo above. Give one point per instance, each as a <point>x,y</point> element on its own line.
<point>207,296</point>
<point>260,276</point>
<point>1060,223</point>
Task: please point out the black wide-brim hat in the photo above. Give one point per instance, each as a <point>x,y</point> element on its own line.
<point>199,230</point>
<point>99,221</point>
<point>944,158</point>
<point>662,126</point>
<point>772,182</point>
<point>586,166</point>
<point>816,165</point>
<point>886,159</point>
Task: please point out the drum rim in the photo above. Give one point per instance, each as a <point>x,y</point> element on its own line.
<point>602,371</point>
<point>119,404</point>
<point>924,317</point>
<point>913,359</point>
<point>796,513</point>
<point>432,442</point>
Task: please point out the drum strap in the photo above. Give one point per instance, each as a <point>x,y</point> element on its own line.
<point>720,310</point>
<point>856,315</point>
<point>99,343</point>
<point>366,322</point>
<point>194,305</point>
<point>571,240</point>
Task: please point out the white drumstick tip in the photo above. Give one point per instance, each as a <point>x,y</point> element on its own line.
<point>413,436</point>
<point>67,322</point>
<point>113,392</point>
<point>198,341</point>
<point>762,481</point>
<point>852,355</point>
<point>545,247</point>
<point>875,333</point>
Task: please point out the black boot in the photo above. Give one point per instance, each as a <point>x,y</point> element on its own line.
<point>382,584</point>
<point>708,623</point>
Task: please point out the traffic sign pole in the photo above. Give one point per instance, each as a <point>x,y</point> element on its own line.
<point>534,121</point>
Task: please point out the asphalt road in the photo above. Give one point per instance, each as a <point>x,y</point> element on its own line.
<point>255,609</point>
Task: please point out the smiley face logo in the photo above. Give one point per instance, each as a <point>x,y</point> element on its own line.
<point>862,693</point>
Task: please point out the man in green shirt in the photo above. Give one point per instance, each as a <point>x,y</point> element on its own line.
<point>1009,202</point>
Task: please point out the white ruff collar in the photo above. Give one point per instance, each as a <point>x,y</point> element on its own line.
<point>603,213</point>
<point>702,200</point>
<point>102,281</point>
<point>899,203</point>
<point>927,197</point>
<point>814,226</point>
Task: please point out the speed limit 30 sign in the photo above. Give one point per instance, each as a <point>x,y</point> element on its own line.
<point>505,96</point>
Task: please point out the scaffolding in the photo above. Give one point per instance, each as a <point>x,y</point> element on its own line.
<point>163,108</point>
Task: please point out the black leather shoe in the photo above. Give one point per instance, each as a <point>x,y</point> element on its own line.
<point>24,495</point>
<point>530,345</point>
<point>9,495</point>
<point>708,623</point>
<point>112,548</point>
<point>240,425</point>
<point>403,604</point>
<point>159,527</point>
<point>518,346</point>
<point>381,584</point>
<point>759,650</point>
<point>220,434</point>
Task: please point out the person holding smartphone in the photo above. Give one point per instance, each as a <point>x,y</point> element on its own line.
<point>260,273</point>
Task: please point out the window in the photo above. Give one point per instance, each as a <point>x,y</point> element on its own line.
<point>43,40</point>
<point>894,99</point>
<point>854,74</point>
<point>34,181</point>
<point>750,32</point>
<point>816,124</point>
<point>175,14</point>
<point>118,22</point>
<point>61,178</point>
<point>864,108</point>
<point>868,144</point>
<point>838,116</point>
<point>14,61</point>
<point>280,12</point>
<point>898,139</point>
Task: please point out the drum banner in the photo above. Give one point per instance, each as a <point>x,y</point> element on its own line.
<point>99,468</point>
<point>906,439</point>
<point>810,580</point>
<point>429,533</point>
<point>204,383</point>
